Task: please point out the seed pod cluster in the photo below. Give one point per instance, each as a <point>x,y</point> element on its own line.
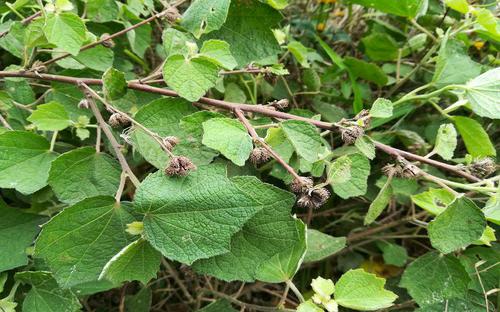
<point>83,104</point>
<point>279,104</point>
<point>259,156</point>
<point>118,119</point>
<point>402,169</point>
<point>482,167</point>
<point>351,129</point>
<point>179,166</point>
<point>108,43</point>
<point>308,196</point>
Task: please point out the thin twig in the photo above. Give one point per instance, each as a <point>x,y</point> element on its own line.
<point>179,282</point>
<point>5,123</point>
<point>259,109</point>
<point>247,305</point>
<point>114,144</point>
<point>121,186</point>
<point>261,142</point>
<point>112,36</point>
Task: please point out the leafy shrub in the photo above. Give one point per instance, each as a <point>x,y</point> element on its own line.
<point>263,155</point>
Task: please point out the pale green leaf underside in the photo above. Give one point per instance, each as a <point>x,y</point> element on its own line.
<point>137,261</point>
<point>360,290</point>
<point>483,93</point>
<point>358,183</point>
<point>229,137</point>
<point>321,245</point>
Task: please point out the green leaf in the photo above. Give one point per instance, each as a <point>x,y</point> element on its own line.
<point>191,123</point>
<point>51,116</point>
<point>140,302</point>
<point>229,137</point>
<point>475,137</point>
<point>379,203</point>
<point>366,146</point>
<point>138,261</point>
<point>66,30</point>
<point>309,306</point>
<point>221,305</point>
<point>487,20</point>
<point>102,11</point>
<point>24,161</point>
<point>98,58</point>
<point>219,53</point>
<point>433,201</point>
<point>283,266</point>
<point>276,138</point>
<point>453,65</point>
<point>407,8</point>
<point>194,217</point>
<point>304,137</point>
<point>312,80</point>
<point>483,93</point>
<point>458,5</point>
<point>393,254</point>
<point>139,38</point>
<point>176,42</point>
<point>13,41</point>
<point>114,84</point>
<point>191,78</point>
<point>83,173</point>
<point>162,117</point>
<point>492,209</point>
<point>299,51</point>
<point>80,240</point>
<point>248,31</point>
<point>357,184</point>
<point>360,290</point>
<point>380,47</point>
<point>45,295</point>
<point>458,226</point>
<point>321,245</point>
<point>17,232</point>
<point>446,141</point>
<point>381,108</point>
<point>365,70</point>
<point>434,278</point>
<point>204,16</point>
<point>339,171</point>
<point>272,232</point>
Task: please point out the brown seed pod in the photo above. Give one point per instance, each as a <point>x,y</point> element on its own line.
<point>314,198</point>
<point>482,167</point>
<point>179,166</point>
<point>170,142</point>
<point>172,14</point>
<point>117,119</point>
<point>259,156</point>
<point>350,134</point>
<point>83,104</point>
<point>108,43</point>
<point>302,185</point>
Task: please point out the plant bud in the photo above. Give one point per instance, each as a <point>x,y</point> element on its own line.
<point>280,104</point>
<point>117,119</point>
<point>314,198</point>
<point>172,14</point>
<point>179,166</point>
<point>84,104</point>
<point>302,185</point>
<point>108,43</point>
<point>350,134</point>
<point>482,167</point>
<point>259,156</point>
<point>170,142</point>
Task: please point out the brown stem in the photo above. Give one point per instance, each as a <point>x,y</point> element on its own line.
<point>117,34</point>
<point>25,22</point>
<point>4,122</point>
<point>259,109</point>
<point>116,146</point>
<point>397,152</point>
<point>256,138</point>
<point>177,279</point>
<point>248,305</point>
